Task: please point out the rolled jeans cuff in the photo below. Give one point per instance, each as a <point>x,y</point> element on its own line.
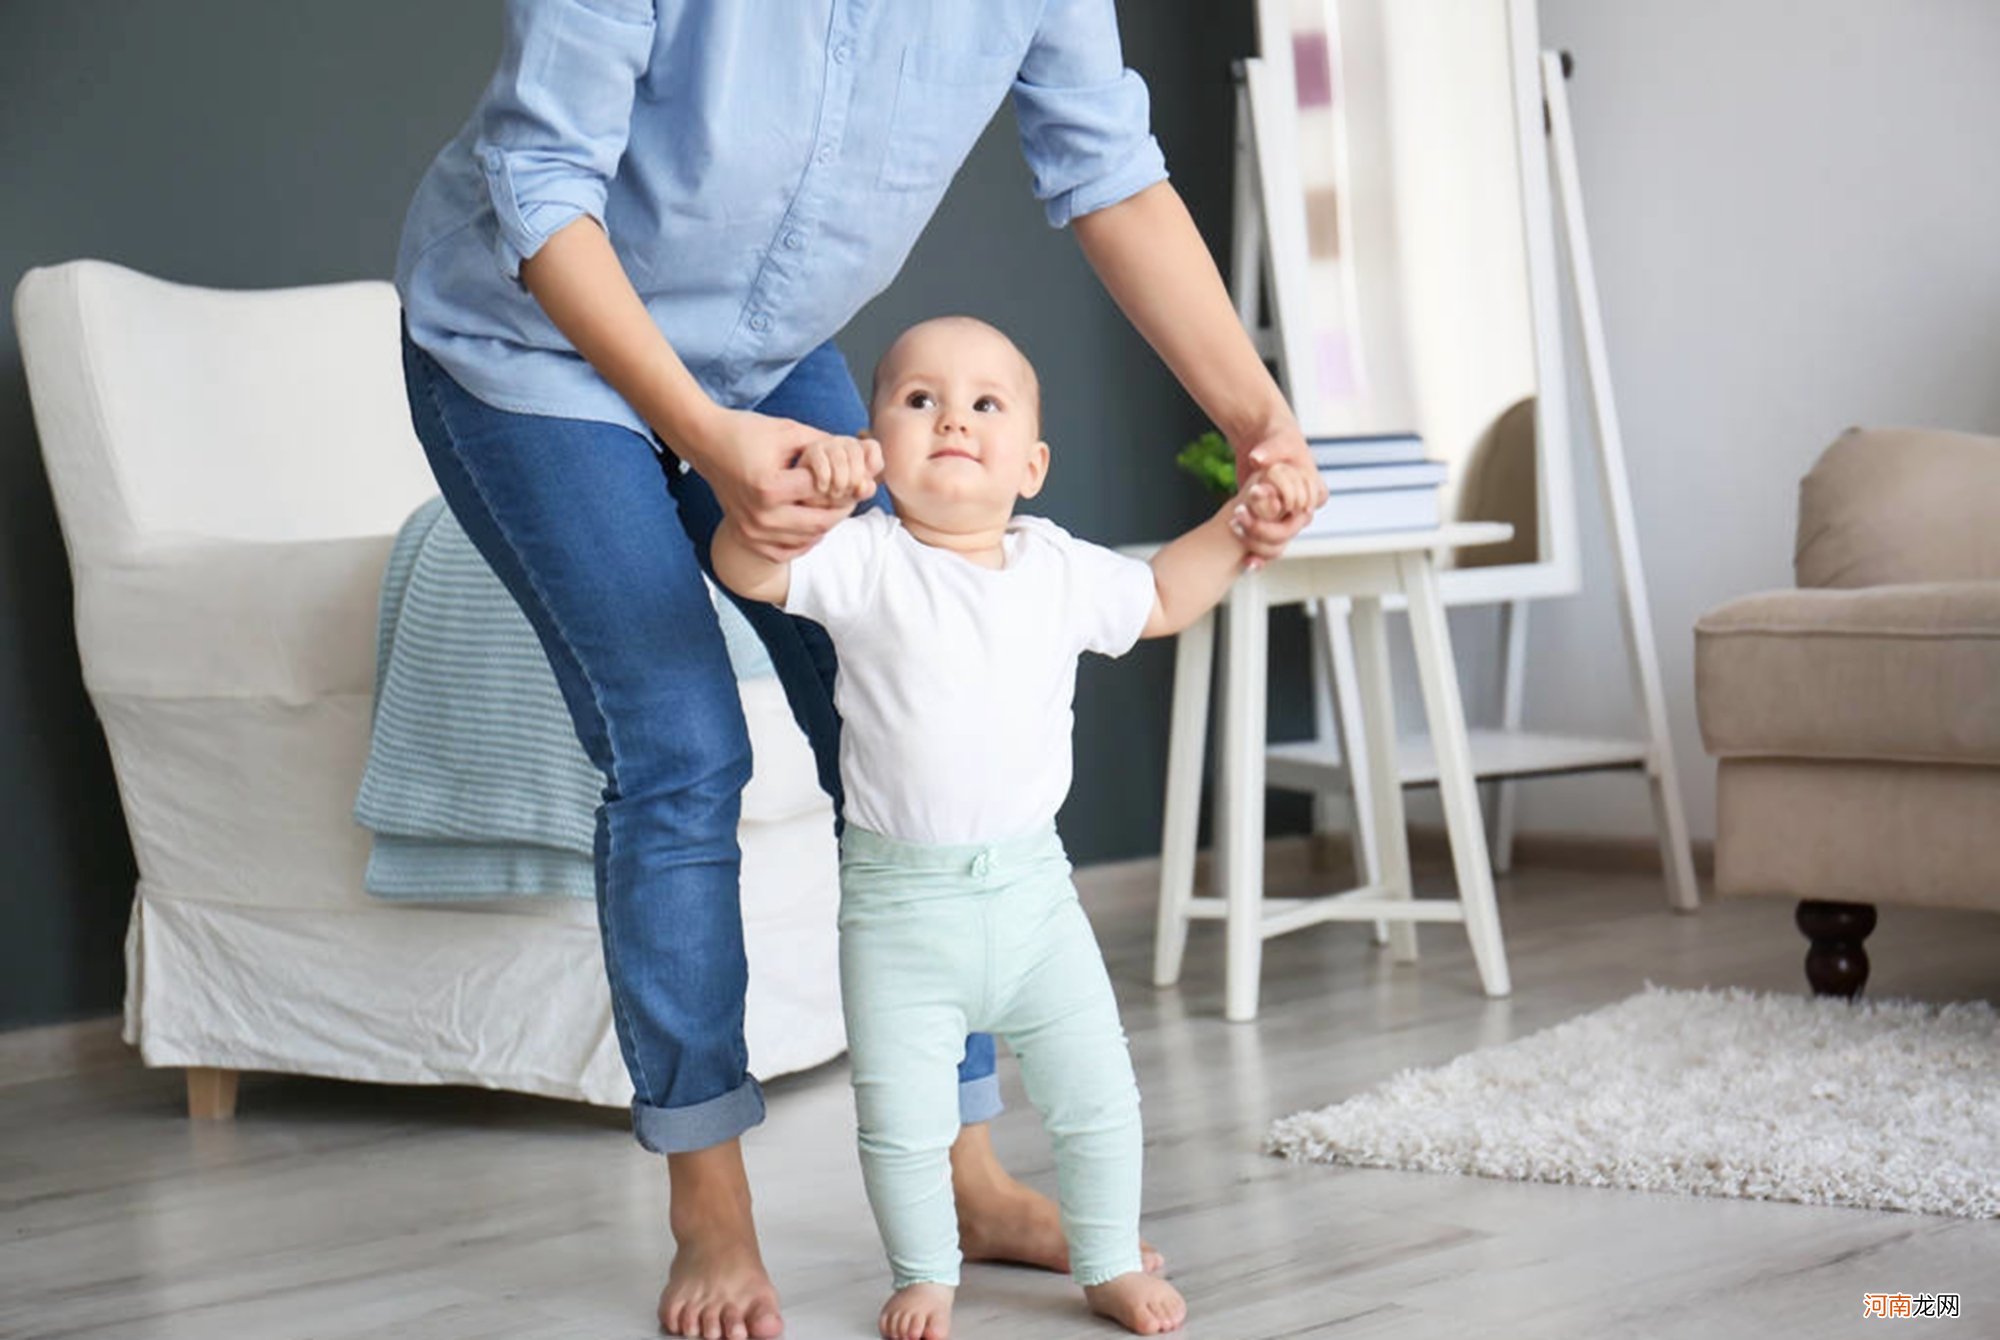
<point>979,1100</point>
<point>677,1130</point>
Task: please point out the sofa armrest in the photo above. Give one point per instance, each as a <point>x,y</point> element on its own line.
<point>292,620</point>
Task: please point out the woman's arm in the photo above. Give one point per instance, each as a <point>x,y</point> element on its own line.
<point>554,125</point>
<point>746,458</point>
<point>580,283</point>
<point>1151,258</point>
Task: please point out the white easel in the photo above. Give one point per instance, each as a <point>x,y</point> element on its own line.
<point>1510,752</point>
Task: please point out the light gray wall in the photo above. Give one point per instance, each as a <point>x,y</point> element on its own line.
<point>1796,224</point>
<point>243,143</point>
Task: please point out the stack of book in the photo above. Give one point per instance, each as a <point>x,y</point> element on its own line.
<point>1374,483</point>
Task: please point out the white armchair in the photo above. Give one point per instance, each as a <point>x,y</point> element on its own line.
<point>230,469</point>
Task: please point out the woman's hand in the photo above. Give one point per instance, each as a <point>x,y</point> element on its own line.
<point>1266,532</point>
<point>754,463</point>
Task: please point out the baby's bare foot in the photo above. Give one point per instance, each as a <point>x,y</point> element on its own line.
<point>999,1219</point>
<point>918,1312</point>
<point>1140,1303</point>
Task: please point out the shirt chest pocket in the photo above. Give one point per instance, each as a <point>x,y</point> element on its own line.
<point>944,98</point>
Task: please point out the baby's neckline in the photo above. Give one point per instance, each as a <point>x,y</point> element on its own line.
<point>1008,547</point>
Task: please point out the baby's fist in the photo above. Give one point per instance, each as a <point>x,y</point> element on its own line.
<point>1279,492</point>
<point>843,469</point>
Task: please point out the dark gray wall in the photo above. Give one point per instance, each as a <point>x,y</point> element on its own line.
<point>240,143</point>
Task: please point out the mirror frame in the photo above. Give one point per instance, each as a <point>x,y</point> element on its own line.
<point>1271,95</point>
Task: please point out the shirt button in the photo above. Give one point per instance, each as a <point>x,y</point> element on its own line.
<point>825,155</point>
<point>760,322</point>
<point>842,52</point>
<point>793,241</point>
<point>982,865</point>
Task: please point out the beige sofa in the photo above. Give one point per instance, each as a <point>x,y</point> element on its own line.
<point>1857,718</point>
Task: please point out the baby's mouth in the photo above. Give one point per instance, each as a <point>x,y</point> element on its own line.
<point>946,453</point>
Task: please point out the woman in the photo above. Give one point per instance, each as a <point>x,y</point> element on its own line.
<point>620,282</point>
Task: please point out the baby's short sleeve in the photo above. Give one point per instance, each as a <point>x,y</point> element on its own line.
<point>1109,597</point>
<point>834,581</point>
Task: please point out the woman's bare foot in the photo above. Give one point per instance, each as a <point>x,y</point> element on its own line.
<point>999,1219</point>
<point>918,1312</point>
<point>717,1286</point>
<point>1140,1303</point>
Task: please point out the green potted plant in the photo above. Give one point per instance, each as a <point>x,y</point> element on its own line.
<point>1210,459</point>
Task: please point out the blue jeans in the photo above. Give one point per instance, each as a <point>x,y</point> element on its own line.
<point>603,539</point>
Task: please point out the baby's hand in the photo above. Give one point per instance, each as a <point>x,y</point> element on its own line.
<point>1278,492</point>
<point>843,469</point>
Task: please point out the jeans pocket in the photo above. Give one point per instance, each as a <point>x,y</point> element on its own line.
<point>944,98</point>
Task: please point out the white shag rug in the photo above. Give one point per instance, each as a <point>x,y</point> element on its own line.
<point>1878,1104</point>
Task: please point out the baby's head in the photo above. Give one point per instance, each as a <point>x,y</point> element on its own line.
<point>958,411</point>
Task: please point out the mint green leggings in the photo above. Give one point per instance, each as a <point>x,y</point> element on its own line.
<point>937,942</point>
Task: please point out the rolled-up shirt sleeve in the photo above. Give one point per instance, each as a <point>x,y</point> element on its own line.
<point>1085,119</point>
<point>558,114</point>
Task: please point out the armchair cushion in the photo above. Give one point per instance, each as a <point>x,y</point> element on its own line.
<point>290,620</point>
<point>1903,673</point>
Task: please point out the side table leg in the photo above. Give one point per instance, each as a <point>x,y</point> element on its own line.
<point>1194,660</point>
<point>1514,619</point>
<point>1336,633</point>
<point>1245,650</point>
<point>1376,766</point>
<point>1456,787</point>
<point>1218,783</point>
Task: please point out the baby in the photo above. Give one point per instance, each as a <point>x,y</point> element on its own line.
<point>958,627</point>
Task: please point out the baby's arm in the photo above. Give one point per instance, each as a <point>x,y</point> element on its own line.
<point>745,571</point>
<point>843,471</point>
<point>1194,572</point>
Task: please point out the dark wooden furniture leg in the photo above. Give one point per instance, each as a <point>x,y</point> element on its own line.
<point>1836,965</point>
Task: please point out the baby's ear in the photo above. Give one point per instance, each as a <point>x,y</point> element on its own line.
<point>1036,471</point>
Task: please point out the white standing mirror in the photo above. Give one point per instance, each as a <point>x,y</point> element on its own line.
<point>1403,186</point>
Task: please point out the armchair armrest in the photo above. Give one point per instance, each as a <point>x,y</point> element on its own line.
<point>1907,673</point>
<point>292,620</point>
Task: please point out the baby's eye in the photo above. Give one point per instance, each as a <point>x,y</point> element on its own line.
<point>919,400</point>
<point>987,404</point>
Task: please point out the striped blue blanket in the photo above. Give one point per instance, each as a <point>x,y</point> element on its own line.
<point>476,786</point>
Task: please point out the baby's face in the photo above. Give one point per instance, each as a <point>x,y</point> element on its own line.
<point>957,415</point>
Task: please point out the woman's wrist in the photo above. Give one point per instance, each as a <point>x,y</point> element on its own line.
<point>1260,426</point>
<point>691,424</point>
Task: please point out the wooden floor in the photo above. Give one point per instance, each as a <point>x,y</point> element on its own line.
<point>337,1210</point>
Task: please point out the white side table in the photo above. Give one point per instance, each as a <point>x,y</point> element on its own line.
<point>1364,569</point>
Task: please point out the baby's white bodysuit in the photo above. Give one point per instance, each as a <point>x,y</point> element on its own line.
<point>956,681</point>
